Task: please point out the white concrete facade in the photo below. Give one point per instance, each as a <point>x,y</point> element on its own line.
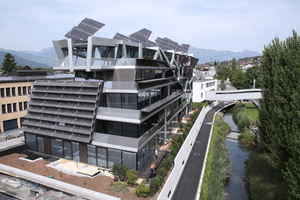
<point>201,87</point>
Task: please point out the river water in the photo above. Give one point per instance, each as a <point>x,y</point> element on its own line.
<point>235,188</point>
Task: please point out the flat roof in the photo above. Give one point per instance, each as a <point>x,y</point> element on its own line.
<point>10,79</point>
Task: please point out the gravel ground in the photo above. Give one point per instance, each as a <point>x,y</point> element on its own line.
<point>98,183</point>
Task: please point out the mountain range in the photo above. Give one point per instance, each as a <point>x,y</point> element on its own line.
<point>45,57</point>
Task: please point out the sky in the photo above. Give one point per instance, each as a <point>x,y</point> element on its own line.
<point>234,25</point>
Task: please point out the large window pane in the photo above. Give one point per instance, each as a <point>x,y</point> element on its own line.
<point>130,130</point>
<point>129,101</point>
<point>67,150</point>
<point>91,154</point>
<point>114,128</point>
<point>2,92</point>
<point>30,142</point>
<point>140,161</point>
<point>114,157</point>
<point>75,149</point>
<point>101,157</point>
<point>129,159</point>
<point>40,141</point>
<point>56,147</point>
<point>113,100</point>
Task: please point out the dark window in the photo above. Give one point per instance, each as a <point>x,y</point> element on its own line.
<point>2,92</point>
<point>129,101</point>
<point>3,109</point>
<point>130,130</point>
<point>9,108</point>
<point>25,105</point>
<point>40,141</point>
<point>56,147</point>
<point>24,90</point>
<point>20,106</point>
<point>67,150</point>
<point>113,100</point>
<point>28,89</point>
<point>15,107</point>
<point>13,91</point>
<point>30,141</point>
<point>114,128</point>
<point>75,151</point>
<point>19,91</point>
<point>8,92</point>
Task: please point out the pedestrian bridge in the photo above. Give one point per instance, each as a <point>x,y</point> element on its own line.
<point>228,95</point>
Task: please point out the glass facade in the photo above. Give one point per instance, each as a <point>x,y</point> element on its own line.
<point>98,156</point>
<point>56,147</point>
<point>31,142</point>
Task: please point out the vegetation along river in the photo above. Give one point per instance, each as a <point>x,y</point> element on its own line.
<point>236,187</point>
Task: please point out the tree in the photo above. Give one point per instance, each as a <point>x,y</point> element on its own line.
<point>238,79</point>
<point>251,74</point>
<point>9,64</point>
<point>279,115</point>
<point>233,64</point>
<point>223,72</point>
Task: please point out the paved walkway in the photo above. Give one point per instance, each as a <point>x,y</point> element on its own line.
<point>188,184</point>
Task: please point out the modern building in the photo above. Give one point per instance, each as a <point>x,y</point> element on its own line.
<point>14,95</point>
<point>202,87</point>
<point>125,93</point>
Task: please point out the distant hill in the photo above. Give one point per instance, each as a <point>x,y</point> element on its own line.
<point>210,55</point>
<point>45,57</point>
<point>32,59</point>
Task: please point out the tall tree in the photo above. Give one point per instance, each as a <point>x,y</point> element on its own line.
<point>253,73</point>
<point>9,64</point>
<point>233,64</point>
<point>280,108</point>
<point>238,79</point>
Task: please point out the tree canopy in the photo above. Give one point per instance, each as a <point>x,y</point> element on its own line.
<point>280,108</point>
<point>9,64</point>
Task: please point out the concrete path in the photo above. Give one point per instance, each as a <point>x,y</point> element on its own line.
<point>188,185</point>
<point>58,185</point>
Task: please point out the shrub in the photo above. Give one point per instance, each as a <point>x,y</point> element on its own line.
<point>119,172</point>
<point>131,176</point>
<point>155,185</point>
<point>142,190</point>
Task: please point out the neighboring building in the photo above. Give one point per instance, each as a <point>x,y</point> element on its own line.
<point>118,108</point>
<point>200,88</point>
<point>14,95</point>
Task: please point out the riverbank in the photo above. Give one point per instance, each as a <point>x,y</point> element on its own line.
<point>217,169</point>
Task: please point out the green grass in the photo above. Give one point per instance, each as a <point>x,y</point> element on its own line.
<point>252,111</point>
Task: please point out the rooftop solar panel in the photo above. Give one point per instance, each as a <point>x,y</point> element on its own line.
<point>119,36</point>
<point>185,47</point>
<point>140,36</point>
<point>86,28</point>
<point>151,44</point>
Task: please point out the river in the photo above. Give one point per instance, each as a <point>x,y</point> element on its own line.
<point>236,187</point>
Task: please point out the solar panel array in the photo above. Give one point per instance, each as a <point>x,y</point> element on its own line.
<point>89,27</point>
<point>119,36</point>
<point>185,47</point>
<point>86,28</point>
<point>140,36</point>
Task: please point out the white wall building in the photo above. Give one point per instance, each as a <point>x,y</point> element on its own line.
<point>201,86</point>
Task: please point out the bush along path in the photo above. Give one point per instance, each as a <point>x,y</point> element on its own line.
<point>217,171</point>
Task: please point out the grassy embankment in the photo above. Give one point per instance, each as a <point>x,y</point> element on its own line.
<point>217,169</point>
<point>262,177</point>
